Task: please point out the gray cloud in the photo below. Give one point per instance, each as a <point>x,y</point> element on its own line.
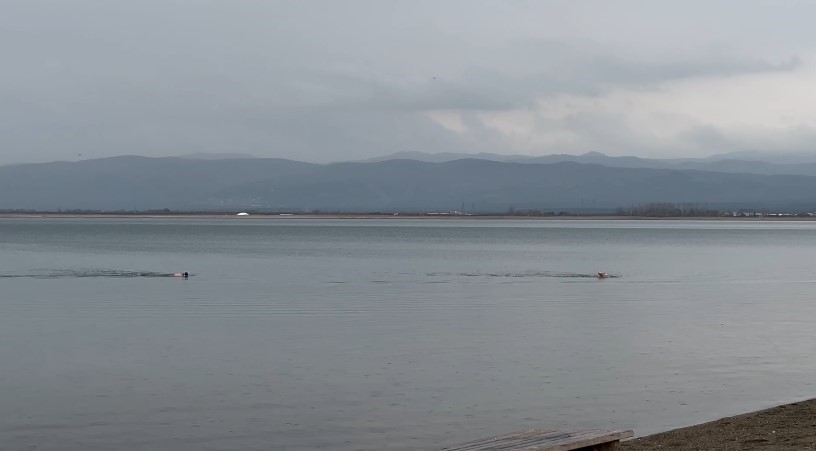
<point>324,80</point>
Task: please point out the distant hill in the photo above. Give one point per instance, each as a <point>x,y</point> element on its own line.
<point>722,163</point>
<point>767,157</point>
<point>441,157</point>
<point>216,156</point>
<point>132,182</point>
<point>140,183</point>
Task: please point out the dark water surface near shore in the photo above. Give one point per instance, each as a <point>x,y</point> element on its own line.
<point>401,334</point>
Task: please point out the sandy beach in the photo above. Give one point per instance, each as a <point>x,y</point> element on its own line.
<point>789,426</point>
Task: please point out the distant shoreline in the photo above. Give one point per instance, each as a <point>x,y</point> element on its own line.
<point>397,217</point>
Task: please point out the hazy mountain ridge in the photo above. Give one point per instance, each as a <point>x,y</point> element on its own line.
<point>753,163</point>
<point>216,156</point>
<point>139,183</point>
<point>131,182</point>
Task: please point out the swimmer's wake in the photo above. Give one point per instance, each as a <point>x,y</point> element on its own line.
<point>83,273</point>
<point>565,275</point>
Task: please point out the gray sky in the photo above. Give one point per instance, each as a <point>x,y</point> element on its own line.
<point>338,80</point>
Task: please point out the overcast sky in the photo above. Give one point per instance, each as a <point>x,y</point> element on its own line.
<point>338,80</point>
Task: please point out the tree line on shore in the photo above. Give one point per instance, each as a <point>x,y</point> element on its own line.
<point>669,209</point>
<point>664,209</point>
<point>648,210</point>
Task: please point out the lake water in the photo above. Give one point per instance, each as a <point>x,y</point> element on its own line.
<point>392,334</point>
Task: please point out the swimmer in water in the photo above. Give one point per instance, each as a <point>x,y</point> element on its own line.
<point>602,275</point>
<point>181,274</point>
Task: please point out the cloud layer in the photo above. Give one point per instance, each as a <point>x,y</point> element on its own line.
<point>323,80</point>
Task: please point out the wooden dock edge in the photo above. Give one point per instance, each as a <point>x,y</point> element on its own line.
<point>547,440</point>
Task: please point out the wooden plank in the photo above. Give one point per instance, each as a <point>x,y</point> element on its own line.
<point>588,440</point>
<point>468,446</point>
<point>543,440</point>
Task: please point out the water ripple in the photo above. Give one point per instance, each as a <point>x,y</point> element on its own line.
<point>86,273</point>
<point>565,275</point>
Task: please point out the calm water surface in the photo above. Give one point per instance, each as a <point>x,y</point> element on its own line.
<point>319,334</point>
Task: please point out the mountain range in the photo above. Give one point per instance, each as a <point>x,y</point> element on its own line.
<point>735,162</point>
<point>552,183</point>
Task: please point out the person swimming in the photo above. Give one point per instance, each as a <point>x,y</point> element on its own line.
<point>602,275</point>
<point>183,275</point>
